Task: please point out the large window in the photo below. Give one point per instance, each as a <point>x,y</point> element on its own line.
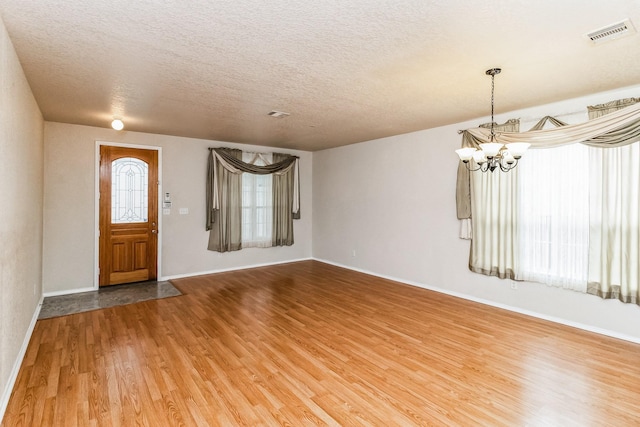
<point>257,204</point>
<point>578,218</point>
<point>569,214</point>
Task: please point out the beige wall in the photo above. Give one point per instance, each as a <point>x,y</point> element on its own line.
<point>392,201</point>
<point>69,213</point>
<point>21,158</point>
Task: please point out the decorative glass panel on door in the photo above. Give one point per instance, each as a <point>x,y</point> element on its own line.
<point>129,191</point>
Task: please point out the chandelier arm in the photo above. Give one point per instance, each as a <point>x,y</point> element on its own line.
<point>469,167</point>
<point>506,168</point>
<point>509,167</point>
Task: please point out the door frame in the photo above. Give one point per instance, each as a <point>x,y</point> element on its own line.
<point>96,261</point>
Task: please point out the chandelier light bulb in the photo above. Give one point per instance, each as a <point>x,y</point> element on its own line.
<point>117,124</point>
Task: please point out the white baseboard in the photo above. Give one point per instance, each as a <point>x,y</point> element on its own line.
<point>554,319</point>
<point>69,292</point>
<point>6,393</point>
<point>223,270</point>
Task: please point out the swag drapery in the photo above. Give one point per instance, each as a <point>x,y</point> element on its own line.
<point>224,197</point>
<point>613,269</point>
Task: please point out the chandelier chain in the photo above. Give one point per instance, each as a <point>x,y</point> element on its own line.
<point>493,76</point>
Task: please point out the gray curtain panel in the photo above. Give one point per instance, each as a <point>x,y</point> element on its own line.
<point>225,223</point>
<point>282,204</point>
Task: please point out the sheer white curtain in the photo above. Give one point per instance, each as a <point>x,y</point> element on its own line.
<point>553,219</point>
<point>494,251</point>
<point>257,204</point>
<point>494,232</point>
<point>579,219</point>
<point>614,267</point>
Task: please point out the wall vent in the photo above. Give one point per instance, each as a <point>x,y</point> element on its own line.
<point>612,32</point>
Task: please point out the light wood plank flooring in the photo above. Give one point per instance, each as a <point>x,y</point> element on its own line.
<point>312,344</point>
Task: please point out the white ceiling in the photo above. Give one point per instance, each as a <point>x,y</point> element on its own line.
<point>347,71</point>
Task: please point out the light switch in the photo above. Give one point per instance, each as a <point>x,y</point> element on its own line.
<point>166,211</point>
<point>184,211</point>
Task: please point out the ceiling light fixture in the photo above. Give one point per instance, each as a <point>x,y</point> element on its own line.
<point>492,154</point>
<point>117,124</point>
<point>278,114</point>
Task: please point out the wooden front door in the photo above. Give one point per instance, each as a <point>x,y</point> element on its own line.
<point>128,215</point>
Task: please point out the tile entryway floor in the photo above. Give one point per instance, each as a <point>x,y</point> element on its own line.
<point>111,296</point>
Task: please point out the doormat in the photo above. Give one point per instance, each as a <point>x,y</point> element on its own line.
<point>110,296</point>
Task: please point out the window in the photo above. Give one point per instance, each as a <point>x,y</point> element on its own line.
<point>257,204</point>
<point>129,188</point>
<point>578,217</point>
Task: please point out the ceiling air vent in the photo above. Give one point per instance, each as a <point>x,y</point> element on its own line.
<point>612,32</point>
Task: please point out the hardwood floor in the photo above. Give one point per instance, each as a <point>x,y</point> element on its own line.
<point>312,344</point>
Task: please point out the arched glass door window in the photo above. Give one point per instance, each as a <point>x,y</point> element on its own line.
<point>129,190</point>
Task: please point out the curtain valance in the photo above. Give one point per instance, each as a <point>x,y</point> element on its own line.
<point>609,107</point>
<point>235,165</point>
<point>226,158</point>
<point>617,128</point>
<point>613,129</point>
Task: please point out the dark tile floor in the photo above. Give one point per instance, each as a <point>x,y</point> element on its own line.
<point>106,297</point>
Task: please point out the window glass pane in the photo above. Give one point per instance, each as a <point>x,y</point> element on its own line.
<point>554,216</point>
<point>129,191</point>
<point>256,205</point>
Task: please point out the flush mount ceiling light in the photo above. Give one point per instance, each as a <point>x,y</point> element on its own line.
<point>117,124</point>
<point>492,154</point>
<point>278,114</point>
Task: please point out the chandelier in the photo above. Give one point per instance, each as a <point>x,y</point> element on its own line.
<point>492,154</point>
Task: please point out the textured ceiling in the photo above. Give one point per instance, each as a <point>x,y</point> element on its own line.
<point>347,71</point>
